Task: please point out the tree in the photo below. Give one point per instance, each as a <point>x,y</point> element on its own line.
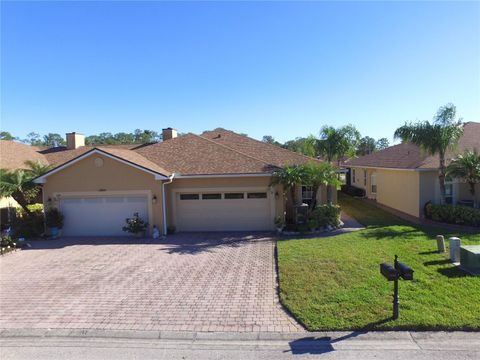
<point>366,146</point>
<point>296,145</point>
<point>289,176</point>
<point>318,174</point>
<point>19,185</point>
<point>145,136</point>
<point>335,144</point>
<point>5,135</point>
<point>466,167</point>
<point>435,138</point>
<point>53,140</point>
<point>270,140</point>
<point>33,139</point>
<point>309,146</point>
<point>382,143</point>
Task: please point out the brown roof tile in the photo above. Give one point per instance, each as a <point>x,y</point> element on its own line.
<point>14,154</point>
<point>214,152</point>
<point>410,156</point>
<point>271,154</point>
<point>192,154</point>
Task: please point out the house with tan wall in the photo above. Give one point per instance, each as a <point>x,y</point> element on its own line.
<point>216,181</point>
<point>405,178</point>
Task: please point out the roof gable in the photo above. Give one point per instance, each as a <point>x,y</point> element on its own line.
<point>124,156</point>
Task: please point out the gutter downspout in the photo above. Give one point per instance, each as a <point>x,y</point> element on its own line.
<point>170,179</point>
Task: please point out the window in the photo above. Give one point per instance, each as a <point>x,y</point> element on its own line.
<point>373,180</point>
<point>448,190</point>
<point>257,195</point>
<point>234,196</point>
<point>189,196</point>
<point>307,194</point>
<point>365,177</point>
<point>353,175</point>
<point>211,196</point>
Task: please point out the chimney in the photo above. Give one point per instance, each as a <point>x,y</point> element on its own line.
<point>75,140</point>
<point>169,133</point>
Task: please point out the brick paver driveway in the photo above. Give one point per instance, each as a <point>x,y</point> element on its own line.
<point>189,282</point>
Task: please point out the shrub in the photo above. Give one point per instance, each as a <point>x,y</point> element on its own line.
<point>353,190</point>
<point>54,218</point>
<point>135,225</point>
<point>327,214</point>
<point>453,214</point>
<point>28,226</point>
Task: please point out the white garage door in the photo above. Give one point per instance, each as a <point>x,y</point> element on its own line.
<point>100,216</point>
<point>224,211</point>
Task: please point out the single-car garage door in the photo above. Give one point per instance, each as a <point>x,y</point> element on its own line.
<point>100,216</point>
<point>224,211</point>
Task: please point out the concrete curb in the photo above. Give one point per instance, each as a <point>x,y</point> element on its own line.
<point>472,338</point>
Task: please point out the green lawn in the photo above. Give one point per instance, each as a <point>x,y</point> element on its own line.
<point>334,283</point>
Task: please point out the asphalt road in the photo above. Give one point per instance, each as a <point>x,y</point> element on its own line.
<point>400,345</point>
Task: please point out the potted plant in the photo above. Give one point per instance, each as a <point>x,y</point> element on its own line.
<point>136,226</point>
<point>54,221</point>
<point>279,224</point>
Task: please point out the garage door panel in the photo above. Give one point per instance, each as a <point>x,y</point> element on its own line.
<point>100,216</point>
<point>223,214</point>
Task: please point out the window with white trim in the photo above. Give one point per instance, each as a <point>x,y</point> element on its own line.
<point>353,176</point>
<point>373,183</point>
<point>365,177</point>
<point>448,190</point>
<point>307,194</point>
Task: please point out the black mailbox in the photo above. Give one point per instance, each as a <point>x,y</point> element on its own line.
<point>405,271</point>
<point>388,271</point>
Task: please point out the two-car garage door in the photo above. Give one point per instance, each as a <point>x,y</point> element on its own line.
<point>100,215</point>
<point>223,211</point>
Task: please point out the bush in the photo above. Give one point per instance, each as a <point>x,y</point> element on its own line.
<point>135,225</point>
<point>353,191</point>
<point>28,226</point>
<point>326,215</point>
<point>453,214</point>
<point>54,218</point>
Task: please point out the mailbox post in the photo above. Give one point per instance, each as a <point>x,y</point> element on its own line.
<point>394,273</point>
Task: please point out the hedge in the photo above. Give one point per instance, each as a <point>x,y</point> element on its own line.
<point>353,191</point>
<point>453,214</point>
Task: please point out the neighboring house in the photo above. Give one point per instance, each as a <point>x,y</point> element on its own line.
<point>12,157</point>
<point>404,178</point>
<point>216,181</point>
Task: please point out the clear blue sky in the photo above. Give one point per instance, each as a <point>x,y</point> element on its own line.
<point>283,69</point>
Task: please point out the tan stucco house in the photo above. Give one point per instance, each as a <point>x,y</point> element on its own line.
<point>216,181</point>
<point>404,178</point>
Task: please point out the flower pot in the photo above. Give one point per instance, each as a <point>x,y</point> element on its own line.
<point>54,232</point>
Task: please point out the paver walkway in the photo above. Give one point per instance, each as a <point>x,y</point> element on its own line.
<point>189,282</point>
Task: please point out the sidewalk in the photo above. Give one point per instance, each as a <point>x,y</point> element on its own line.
<point>95,344</point>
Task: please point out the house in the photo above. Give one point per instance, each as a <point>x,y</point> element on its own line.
<point>216,181</point>
<point>12,157</point>
<point>405,178</point>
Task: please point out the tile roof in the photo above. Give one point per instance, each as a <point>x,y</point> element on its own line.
<point>14,154</point>
<point>214,152</point>
<point>194,155</point>
<point>271,154</point>
<point>410,156</point>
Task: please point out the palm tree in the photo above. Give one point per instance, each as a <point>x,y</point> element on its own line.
<point>467,167</point>
<point>289,176</point>
<point>335,144</point>
<point>318,175</point>
<point>18,183</point>
<point>435,138</point>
